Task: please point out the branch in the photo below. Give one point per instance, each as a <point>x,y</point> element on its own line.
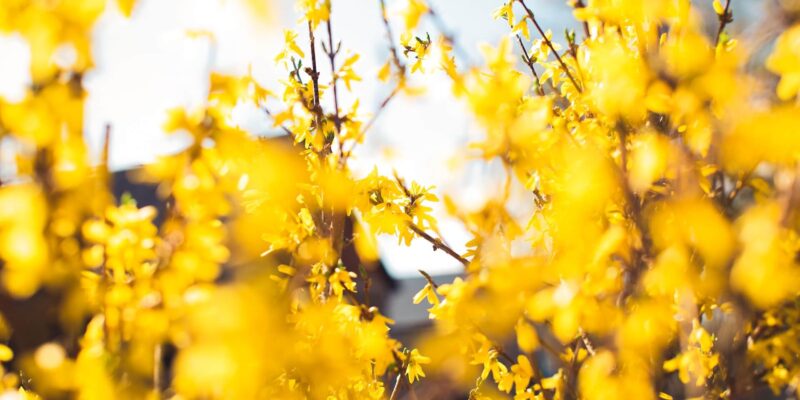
<point>549,44</point>
<point>448,37</point>
<point>400,373</point>
<point>283,127</point>
<point>370,123</point>
<point>314,73</point>
<point>724,19</point>
<point>438,244</point>
<point>529,63</point>
<point>381,107</point>
<point>390,37</point>
<point>428,278</point>
<point>579,4</point>
<point>331,53</point>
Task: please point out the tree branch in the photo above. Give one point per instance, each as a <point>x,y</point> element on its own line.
<point>724,19</point>
<point>549,44</point>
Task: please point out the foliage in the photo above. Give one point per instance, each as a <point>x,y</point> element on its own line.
<point>659,258</point>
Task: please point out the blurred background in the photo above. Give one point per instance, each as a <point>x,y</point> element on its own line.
<point>161,58</point>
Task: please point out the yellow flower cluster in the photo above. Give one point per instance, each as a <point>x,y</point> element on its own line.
<point>659,258</point>
<point>664,222</point>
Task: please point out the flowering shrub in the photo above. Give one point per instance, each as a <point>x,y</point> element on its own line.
<point>659,259</point>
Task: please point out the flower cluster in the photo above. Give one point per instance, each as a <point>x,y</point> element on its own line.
<point>655,256</point>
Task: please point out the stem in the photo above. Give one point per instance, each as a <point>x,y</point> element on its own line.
<point>529,63</point>
<point>332,58</point>
<point>389,36</point>
<point>283,127</point>
<point>579,4</point>
<point>438,244</point>
<point>549,44</point>
<point>314,73</point>
<point>370,123</point>
<point>428,278</point>
<point>448,37</point>
<point>381,107</point>
<point>397,383</point>
<point>331,52</point>
<point>157,371</point>
<point>724,19</point>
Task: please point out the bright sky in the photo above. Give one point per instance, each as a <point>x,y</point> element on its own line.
<point>148,64</point>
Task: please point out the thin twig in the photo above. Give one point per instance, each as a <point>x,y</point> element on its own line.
<point>314,73</point>
<point>402,72</point>
<point>724,19</point>
<point>400,372</point>
<point>377,112</point>
<point>549,44</point>
<point>332,58</point>
<point>448,37</point>
<point>529,63</point>
<point>438,244</point>
<point>331,53</point>
<point>396,389</point>
<point>370,123</point>
<point>579,4</point>
<point>390,37</point>
<point>428,278</point>
<point>283,127</point>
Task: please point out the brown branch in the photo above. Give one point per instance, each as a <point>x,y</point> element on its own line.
<point>402,70</point>
<point>724,19</point>
<point>400,372</point>
<point>448,36</point>
<point>331,53</point>
<point>332,58</point>
<point>438,244</point>
<point>370,123</point>
<point>283,127</point>
<point>390,37</point>
<point>314,73</point>
<point>549,44</point>
<point>579,4</point>
<point>529,63</point>
<point>428,278</point>
<point>377,112</point>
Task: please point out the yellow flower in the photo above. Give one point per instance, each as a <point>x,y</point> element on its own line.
<point>413,12</point>
<point>785,61</point>
<point>427,292</point>
<point>413,366</point>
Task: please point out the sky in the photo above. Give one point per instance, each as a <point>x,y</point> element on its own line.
<point>148,64</point>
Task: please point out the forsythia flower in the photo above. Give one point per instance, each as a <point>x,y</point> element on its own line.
<point>414,368</point>
<point>645,221</point>
<point>785,61</point>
